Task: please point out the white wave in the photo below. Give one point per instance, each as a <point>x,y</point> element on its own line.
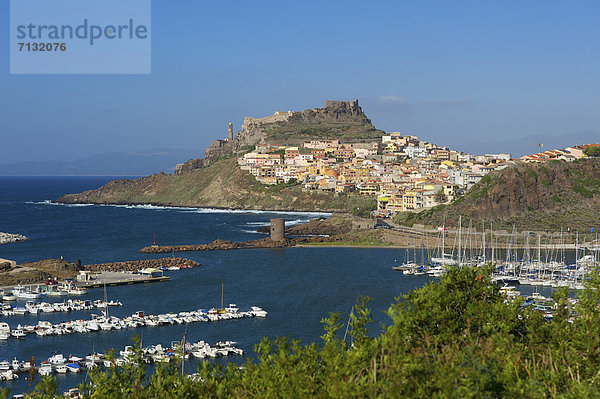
<point>295,222</point>
<point>49,202</point>
<point>194,210</point>
<point>148,207</point>
<point>252,211</point>
<point>251,231</point>
<point>258,224</point>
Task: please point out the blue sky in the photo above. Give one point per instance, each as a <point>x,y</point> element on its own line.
<point>453,72</point>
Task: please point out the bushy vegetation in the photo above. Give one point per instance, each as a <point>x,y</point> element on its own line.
<point>455,338</point>
<point>592,151</point>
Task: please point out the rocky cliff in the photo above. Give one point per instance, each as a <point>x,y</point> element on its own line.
<point>344,120</point>
<point>541,196</point>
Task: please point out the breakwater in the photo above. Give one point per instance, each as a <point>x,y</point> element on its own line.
<point>7,238</point>
<point>219,245</point>
<point>135,265</point>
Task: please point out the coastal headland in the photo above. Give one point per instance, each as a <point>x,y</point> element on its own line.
<point>333,159</point>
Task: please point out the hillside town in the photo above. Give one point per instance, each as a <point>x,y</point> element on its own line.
<point>401,171</point>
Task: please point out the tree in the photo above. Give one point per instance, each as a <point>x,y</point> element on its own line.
<point>440,197</point>
<point>593,151</point>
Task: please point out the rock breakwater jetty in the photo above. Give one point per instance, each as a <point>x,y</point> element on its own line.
<point>7,238</point>
<point>135,265</point>
<point>219,245</point>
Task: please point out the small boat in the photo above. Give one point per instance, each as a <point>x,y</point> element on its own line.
<point>258,312</point>
<point>75,359</point>
<point>22,292</point>
<point>76,291</point>
<point>45,369</point>
<point>4,335</point>
<point>20,310</point>
<point>74,367</point>
<point>57,359</point>
<point>18,333</point>
<point>127,352</point>
<point>9,297</point>
<point>9,375</point>
<point>16,364</point>
<point>61,369</point>
<point>72,393</point>
<point>4,365</point>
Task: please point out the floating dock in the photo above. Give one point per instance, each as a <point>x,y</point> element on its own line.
<point>112,279</point>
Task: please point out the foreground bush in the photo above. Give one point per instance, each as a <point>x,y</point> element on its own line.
<point>455,338</point>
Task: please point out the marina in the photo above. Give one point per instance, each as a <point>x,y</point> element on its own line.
<point>70,305</point>
<point>136,320</point>
<point>535,263</point>
<point>58,363</point>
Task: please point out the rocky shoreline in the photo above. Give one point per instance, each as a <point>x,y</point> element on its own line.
<point>8,238</point>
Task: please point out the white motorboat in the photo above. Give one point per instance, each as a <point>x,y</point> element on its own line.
<point>127,352</point>
<point>61,369</point>
<point>77,291</point>
<point>16,364</point>
<point>92,326</point>
<point>75,359</point>
<point>18,333</point>
<point>57,359</point>
<point>74,367</point>
<point>45,369</point>
<point>20,310</point>
<point>9,297</point>
<point>9,375</point>
<point>4,365</point>
<point>437,271</point>
<point>4,327</point>
<point>258,312</point>
<point>22,292</point>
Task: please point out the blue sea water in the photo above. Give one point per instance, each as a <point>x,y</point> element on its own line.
<point>297,286</point>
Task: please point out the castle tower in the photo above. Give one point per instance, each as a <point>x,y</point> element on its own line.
<point>230,132</point>
<point>278,230</point>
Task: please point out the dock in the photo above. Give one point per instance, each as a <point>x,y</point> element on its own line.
<point>111,279</point>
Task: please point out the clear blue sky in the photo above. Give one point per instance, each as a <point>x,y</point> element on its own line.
<point>447,71</point>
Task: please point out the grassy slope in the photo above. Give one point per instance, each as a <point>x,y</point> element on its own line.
<point>544,196</point>
<point>223,185</point>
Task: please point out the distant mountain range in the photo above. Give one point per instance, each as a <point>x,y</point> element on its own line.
<point>526,145</point>
<point>134,163</point>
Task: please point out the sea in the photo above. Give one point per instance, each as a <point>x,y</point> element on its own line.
<point>298,287</point>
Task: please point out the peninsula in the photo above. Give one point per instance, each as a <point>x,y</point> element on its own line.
<point>333,159</point>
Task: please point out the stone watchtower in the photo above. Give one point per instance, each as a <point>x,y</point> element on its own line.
<point>278,230</point>
<point>230,131</point>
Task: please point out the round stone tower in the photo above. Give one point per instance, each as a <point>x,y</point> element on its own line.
<point>278,229</point>
<point>230,131</point>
